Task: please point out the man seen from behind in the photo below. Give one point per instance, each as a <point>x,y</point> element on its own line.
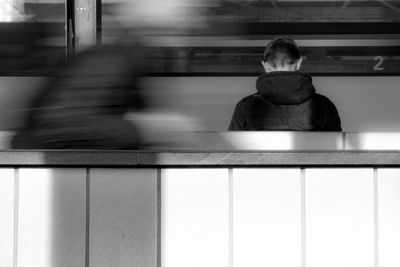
<point>286,98</point>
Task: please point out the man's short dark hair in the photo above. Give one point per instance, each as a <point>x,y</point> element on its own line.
<point>281,52</point>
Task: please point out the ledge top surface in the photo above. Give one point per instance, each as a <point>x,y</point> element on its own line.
<point>135,159</point>
<point>231,149</point>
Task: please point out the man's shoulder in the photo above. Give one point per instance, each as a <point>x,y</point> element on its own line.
<point>250,99</point>
<point>324,104</point>
<point>321,99</point>
<point>251,102</point>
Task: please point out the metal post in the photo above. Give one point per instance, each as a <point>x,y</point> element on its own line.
<point>83,19</point>
<point>85,24</point>
<point>70,27</point>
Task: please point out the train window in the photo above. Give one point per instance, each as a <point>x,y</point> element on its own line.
<point>321,57</point>
<point>33,36</point>
<point>336,37</point>
<point>307,10</point>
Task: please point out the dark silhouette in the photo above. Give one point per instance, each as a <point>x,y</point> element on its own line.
<point>83,105</point>
<point>285,98</point>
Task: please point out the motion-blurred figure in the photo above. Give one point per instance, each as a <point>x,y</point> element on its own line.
<point>96,101</point>
<point>83,105</point>
<point>285,98</point>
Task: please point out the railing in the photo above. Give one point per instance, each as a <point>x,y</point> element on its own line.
<point>295,199</point>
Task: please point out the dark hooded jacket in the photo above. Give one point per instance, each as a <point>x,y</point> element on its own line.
<point>285,101</point>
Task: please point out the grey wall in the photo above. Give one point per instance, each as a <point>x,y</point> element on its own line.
<point>364,103</point>
<point>15,93</point>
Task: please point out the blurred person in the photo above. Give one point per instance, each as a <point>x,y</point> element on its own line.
<point>83,104</point>
<point>96,101</point>
<point>285,97</point>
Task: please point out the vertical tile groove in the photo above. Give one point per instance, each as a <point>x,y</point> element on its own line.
<point>230,206</point>
<point>158,217</point>
<point>376,218</point>
<point>87,235</point>
<point>16,217</point>
<point>343,141</point>
<point>303,215</point>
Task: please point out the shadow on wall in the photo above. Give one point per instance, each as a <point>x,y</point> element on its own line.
<point>62,222</point>
<point>51,220</point>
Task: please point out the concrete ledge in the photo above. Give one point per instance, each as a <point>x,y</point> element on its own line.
<point>267,141</point>
<point>237,141</point>
<point>231,149</point>
<point>132,159</point>
<point>254,141</point>
<point>371,141</point>
<point>281,158</point>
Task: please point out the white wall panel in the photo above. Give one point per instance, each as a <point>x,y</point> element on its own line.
<point>51,217</point>
<point>339,218</point>
<point>389,217</point>
<point>123,217</point>
<point>195,221</point>
<point>267,217</point>
<point>6,216</point>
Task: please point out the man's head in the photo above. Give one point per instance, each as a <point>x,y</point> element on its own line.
<point>281,54</point>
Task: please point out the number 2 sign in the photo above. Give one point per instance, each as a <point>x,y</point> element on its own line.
<point>379,61</point>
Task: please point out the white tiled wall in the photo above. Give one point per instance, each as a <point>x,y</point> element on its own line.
<point>51,220</point>
<point>267,216</point>
<point>209,217</point>
<point>6,216</point>
<point>339,217</point>
<point>389,217</point>
<point>194,218</point>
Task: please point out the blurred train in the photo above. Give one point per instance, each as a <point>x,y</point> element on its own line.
<point>351,48</point>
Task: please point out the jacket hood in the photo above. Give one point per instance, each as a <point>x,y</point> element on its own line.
<point>285,87</point>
